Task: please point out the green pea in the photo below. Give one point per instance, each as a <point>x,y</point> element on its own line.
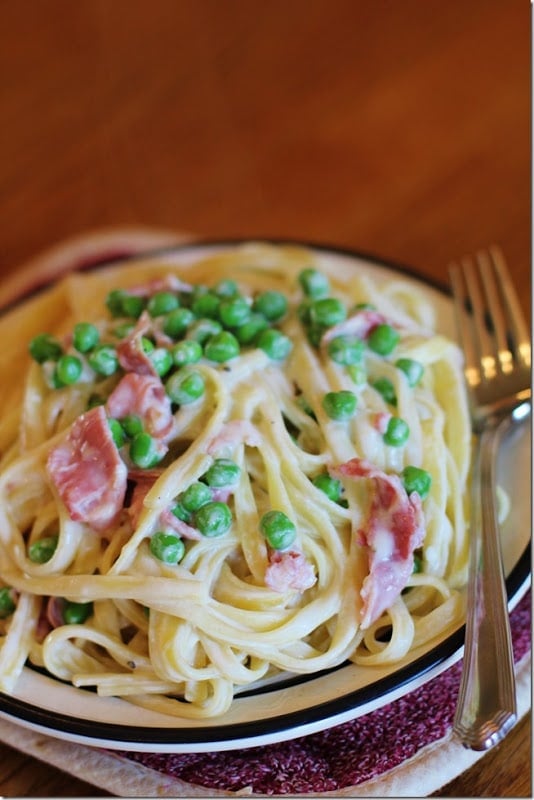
<point>221,347</point>
<point>177,322</point>
<point>346,349</point>
<point>144,451</point>
<point>327,311</point>
<point>132,424</point>
<point>386,389</point>
<point>397,432</point>
<point>249,330</point>
<point>167,547</point>
<point>188,298</point>
<point>103,359</point>
<point>303,311</point>
<point>133,305</point>
<point>314,283</point>
<point>7,602</point>
<point>357,373</point>
<point>383,339</point>
<point>274,343</point>
<point>206,305</point>
<point>117,432</point>
<point>223,472</point>
<point>412,369</point>
<point>114,302</point>
<point>417,480</point>
<point>147,345</point>
<point>213,519</point>
<point>76,613</point>
<point>68,370</point>
<point>162,303</point>
<point>226,287</point>
<point>43,549</point>
<point>85,336</point>
<point>124,329</point>
<point>185,387</point>
<point>202,329</point>
<point>44,347</point>
<point>180,513</point>
<point>314,333</point>
<point>234,311</point>
<point>279,531</point>
<point>271,304</point>
<point>330,486</point>
<point>364,307</point>
<point>341,405</point>
<point>162,360</point>
<point>195,496</point>
<point>189,351</point>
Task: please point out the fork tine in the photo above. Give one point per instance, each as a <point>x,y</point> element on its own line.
<point>497,319</point>
<point>516,322</point>
<point>482,324</point>
<point>491,325</point>
<point>464,307</point>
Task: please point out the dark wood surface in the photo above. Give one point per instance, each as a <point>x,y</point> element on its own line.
<point>397,128</point>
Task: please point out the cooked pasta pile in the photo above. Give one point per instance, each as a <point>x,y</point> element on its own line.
<point>222,466</point>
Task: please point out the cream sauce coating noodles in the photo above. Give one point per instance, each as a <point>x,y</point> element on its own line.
<point>126,568</point>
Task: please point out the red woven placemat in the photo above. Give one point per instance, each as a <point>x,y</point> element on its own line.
<point>342,756</point>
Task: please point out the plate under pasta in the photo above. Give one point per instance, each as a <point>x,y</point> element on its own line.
<point>225,467</point>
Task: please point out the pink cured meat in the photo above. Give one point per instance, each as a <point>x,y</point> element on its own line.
<point>88,473</point>
<point>288,569</point>
<point>393,530</point>
<point>130,351</point>
<point>144,396</point>
<point>169,520</point>
<point>380,420</point>
<point>54,611</point>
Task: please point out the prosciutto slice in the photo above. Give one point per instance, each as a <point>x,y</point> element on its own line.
<point>169,521</point>
<point>130,351</point>
<point>394,528</point>
<point>88,473</point>
<point>144,396</point>
<point>288,569</point>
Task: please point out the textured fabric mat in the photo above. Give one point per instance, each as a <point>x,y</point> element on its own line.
<point>404,749</point>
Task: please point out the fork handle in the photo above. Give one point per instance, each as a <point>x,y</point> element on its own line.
<point>486,707</point>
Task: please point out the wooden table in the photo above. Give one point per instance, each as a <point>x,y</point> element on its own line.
<point>399,128</point>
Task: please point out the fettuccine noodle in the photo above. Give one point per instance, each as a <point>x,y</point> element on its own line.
<point>128,564</point>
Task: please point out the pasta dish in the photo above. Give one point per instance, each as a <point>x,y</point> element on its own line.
<point>224,465</point>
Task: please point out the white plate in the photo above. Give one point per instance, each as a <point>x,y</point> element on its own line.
<point>296,706</point>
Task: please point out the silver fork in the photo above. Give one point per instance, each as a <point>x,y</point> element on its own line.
<point>496,345</point>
